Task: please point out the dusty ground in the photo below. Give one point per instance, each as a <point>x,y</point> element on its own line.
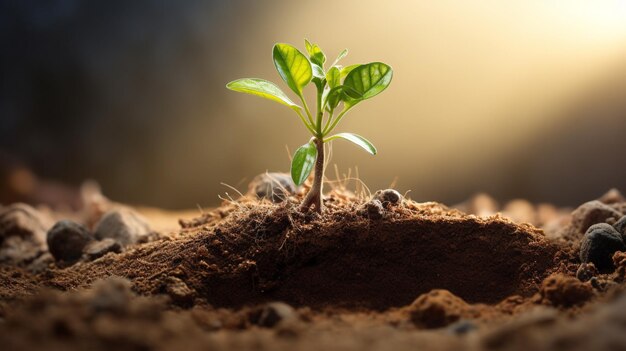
<point>259,275</point>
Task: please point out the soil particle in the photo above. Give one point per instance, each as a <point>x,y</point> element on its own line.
<point>599,244</point>
<point>20,251</point>
<point>620,226</point>
<point>619,260</point>
<point>373,209</point>
<point>438,308</point>
<point>586,271</point>
<point>612,196</point>
<point>564,291</point>
<point>388,197</point>
<point>24,221</point>
<point>66,240</point>
<point>271,314</point>
<point>98,248</point>
<point>273,186</point>
<point>590,213</point>
<point>178,291</point>
<point>122,225</point>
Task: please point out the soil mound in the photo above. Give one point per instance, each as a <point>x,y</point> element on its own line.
<point>253,252</point>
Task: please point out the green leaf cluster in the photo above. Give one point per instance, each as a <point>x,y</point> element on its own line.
<point>338,90</point>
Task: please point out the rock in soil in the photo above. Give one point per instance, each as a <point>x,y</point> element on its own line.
<point>388,197</point>
<point>438,308</point>
<point>620,226</point>
<point>98,248</point>
<point>271,314</point>
<point>20,251</point>
<point>274,186</point>
<point>612,196</point>
<point>66,240</point>
<point>481,205</point>
<point>564,291</point>
<point>24,221</point>
<point>122,225</point>
<point>520,211</point>
<point>586,271</point>
<point>590,213</point>
<point>599,244</point>
<point>373,209</point>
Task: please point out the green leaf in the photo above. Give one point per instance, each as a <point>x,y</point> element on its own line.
<point>303,162</point>
<point>318,72</point>
<point>315,53</point>
<point>341,93</point>
<point>294,68</point>
<point>357,139</point>
<point>348,69</point>
<point>262,88</point>
<point>333,77</point>
<point>369,79</point>
<point>339,57</point>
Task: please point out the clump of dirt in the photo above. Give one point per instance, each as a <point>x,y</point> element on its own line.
<point>370,273</point>
<point>262,252</point>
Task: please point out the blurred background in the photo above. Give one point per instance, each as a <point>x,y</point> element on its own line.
<point>516,99</point>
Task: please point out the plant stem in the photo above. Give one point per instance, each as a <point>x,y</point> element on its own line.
<point>314,197</point>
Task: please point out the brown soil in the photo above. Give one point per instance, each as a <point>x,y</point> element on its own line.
<point>354,282</point>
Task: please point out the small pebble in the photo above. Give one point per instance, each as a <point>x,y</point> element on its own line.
<point>66,240</point>
<point>271,314</point>
<point>590,213</point>
<point>388,197</point>
<point>599,244</point>
<point>586,271</point>
<point>620,226</point>
<point>373,209</point>
<point>24,221</point>
<point>99,248</point>
<point>274,186</point>
<point>122,225</point>
<point>612,196</point>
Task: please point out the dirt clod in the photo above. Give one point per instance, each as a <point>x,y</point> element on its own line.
<point>590,213</point>
<point>98,248</point>
<point>24,221</point>
<point>122,225</point>
<point>599,244</point>
<point>586,271</point>
<point>373,209</point>
<point>437,309</point>
<point>66,240</point>
<point>620,226</point>
<point>274,186</point>
<point>388,197</point>
<point>178,291</point>
<point>565,291</point>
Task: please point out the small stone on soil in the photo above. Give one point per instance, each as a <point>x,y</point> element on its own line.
<point>274,186</point>
<point>620,226</point>
<point>99,248</point>
<point>24,221</point>
<point>599,244</point>
<point>462,327</point>
<point>123,225</point>
<point>586,271</point>
<point>66,240</point>
<point>388,197</point>
<point>373,209</point>
<point>590,213</point>
<point>612,196</point>
<point>271,314</point>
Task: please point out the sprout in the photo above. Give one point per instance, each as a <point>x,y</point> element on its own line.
<point>345,86</point>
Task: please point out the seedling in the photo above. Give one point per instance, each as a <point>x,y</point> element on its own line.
<point>337,86</point>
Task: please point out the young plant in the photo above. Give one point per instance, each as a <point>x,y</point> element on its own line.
<point>338,89</point>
